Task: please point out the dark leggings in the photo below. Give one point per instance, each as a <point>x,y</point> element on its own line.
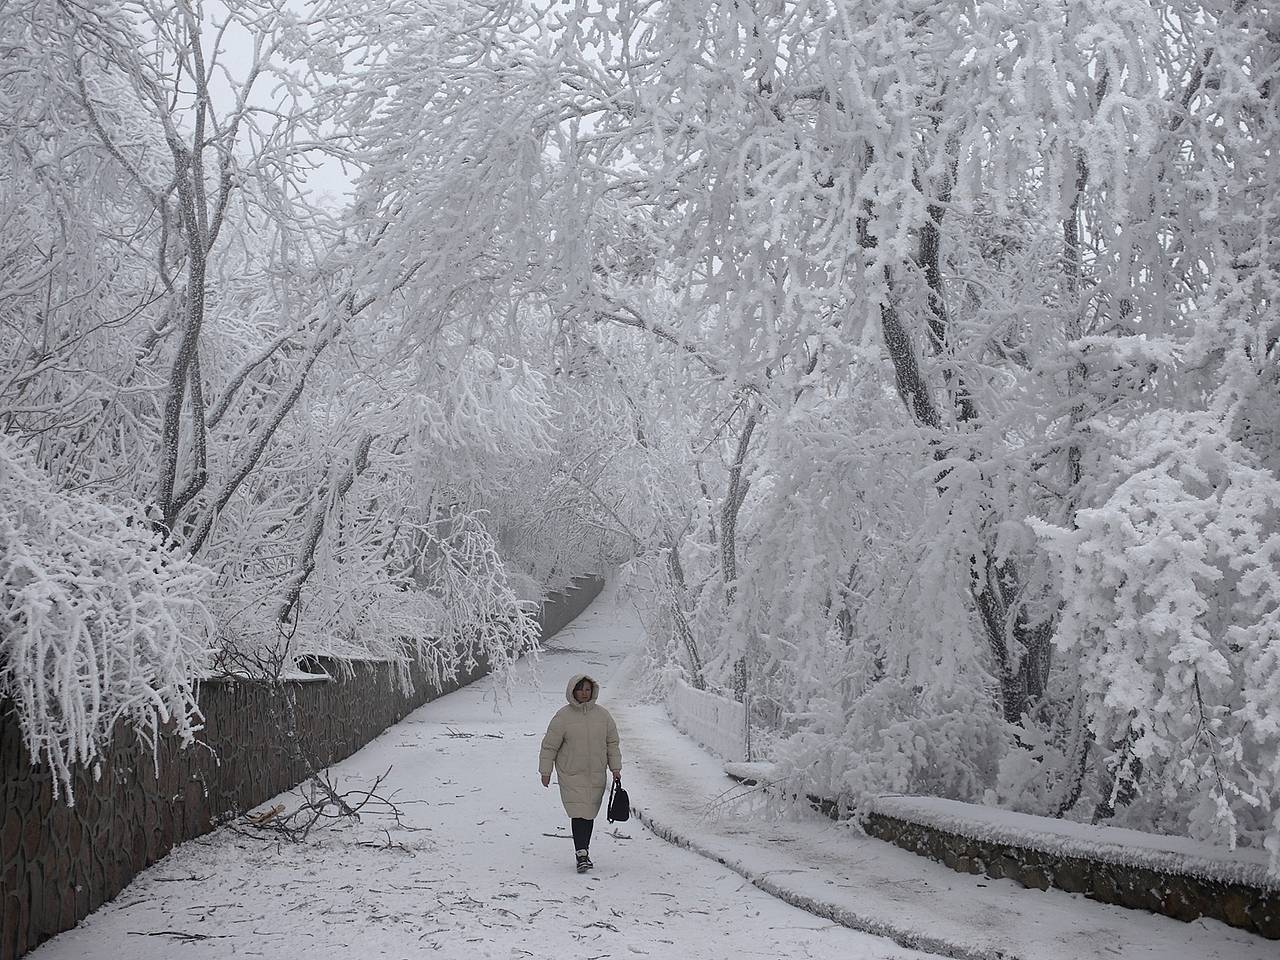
<point>581,832</point>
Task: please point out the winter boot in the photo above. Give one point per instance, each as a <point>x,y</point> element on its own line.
<point>584,861</point>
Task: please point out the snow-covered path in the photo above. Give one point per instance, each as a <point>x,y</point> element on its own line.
<point>482,866</point>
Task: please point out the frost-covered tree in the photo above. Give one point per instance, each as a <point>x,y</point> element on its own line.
<point>99,626</point>
<point>932,274</point>
<point>885,341</point>
<point>207,362</point>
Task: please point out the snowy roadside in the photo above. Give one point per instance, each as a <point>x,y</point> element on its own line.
<point>684,795</point>
<point>481,865</point>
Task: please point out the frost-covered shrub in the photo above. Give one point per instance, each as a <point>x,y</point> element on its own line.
<point>855,610</point>
<point>899,738</point>
<point>1047,774</point>
<point>1171,606</point>
<point>98,624</point>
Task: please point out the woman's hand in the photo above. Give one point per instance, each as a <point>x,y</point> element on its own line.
<point>617,776</point>
<point>546,779</point>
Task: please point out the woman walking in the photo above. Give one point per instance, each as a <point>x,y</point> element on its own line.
<point>581,741</point>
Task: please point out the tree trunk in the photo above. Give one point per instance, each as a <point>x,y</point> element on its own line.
<point>734,495</point>
<point>1019,648</point>
<point>675,572</point>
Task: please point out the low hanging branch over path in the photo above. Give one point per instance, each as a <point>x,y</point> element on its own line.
<point>670,545</point>
<point>753,402</point>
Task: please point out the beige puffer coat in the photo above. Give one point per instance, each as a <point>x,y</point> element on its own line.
<point>581,741</point>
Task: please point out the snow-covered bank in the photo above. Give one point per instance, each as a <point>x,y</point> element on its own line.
<point>1174,876</point>
<point>682,792</point>
<point>871,885</point>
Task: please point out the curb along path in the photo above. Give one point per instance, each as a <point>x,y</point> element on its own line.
<point>820,908</point>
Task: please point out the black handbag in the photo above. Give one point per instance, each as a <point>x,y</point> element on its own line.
<point>619,803</point>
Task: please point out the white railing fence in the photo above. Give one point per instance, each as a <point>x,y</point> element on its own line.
<point>718,723</point>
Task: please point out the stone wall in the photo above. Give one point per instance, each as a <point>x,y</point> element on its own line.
<point>1181,896</point>
<point>561,607</point>
<point>59,863</point>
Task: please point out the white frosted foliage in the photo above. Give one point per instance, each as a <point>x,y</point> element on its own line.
<point>98,625</point>
<point>1171,605</point>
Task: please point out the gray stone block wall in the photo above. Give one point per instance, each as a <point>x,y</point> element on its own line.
<point>58,863</point>
<point>559,608</point>
<point>1181,896</point>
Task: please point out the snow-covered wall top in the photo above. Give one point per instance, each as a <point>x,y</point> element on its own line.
<point>1134,848</point>
<point>716,722</point>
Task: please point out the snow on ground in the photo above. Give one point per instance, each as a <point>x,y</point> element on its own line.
<point>684,794</point>
<point>872,885</point>
<point>482,868</point>
<point>483,864</point>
